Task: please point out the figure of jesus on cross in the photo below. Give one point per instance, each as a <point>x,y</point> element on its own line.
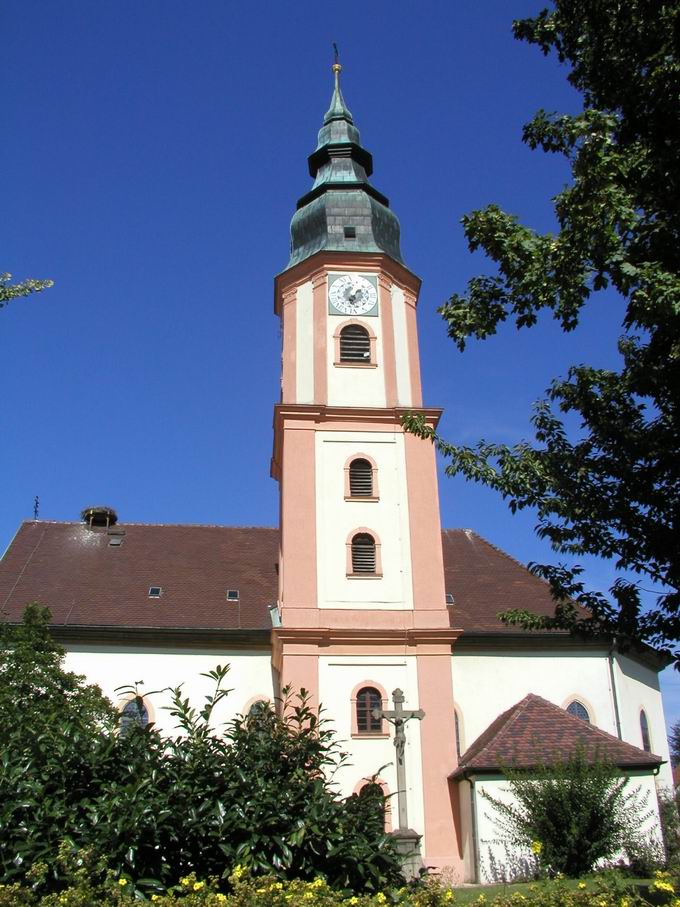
<point>398,716</point>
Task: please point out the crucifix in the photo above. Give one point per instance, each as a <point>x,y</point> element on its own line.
<point>398,716</point>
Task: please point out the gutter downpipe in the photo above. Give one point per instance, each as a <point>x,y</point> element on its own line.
<point>612,684</point>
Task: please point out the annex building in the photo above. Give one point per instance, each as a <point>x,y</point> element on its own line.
<point>358,592</point>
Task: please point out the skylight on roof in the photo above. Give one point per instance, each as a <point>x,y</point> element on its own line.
<point>155,591</point>
<point>232,595</point>
<point>450,600</point>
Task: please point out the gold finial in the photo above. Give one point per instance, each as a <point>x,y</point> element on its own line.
<point>337,68</point>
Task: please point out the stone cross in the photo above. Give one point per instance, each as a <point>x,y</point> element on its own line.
<point>398,716</point>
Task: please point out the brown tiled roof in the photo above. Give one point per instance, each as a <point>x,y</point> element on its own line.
<point>535,732</point>
<point>87,582</point>
<point>485,580</point>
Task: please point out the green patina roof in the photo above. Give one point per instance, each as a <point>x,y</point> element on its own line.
<point>341,196</point>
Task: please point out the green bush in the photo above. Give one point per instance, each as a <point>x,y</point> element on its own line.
<point>571,814</point>
<point>156,810</point>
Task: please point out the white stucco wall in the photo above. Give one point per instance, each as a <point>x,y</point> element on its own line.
<point>401,351</point>
<point>486,683</point>
<point>638,688</point>
<point>249,677</point>
<point>355,386</point>
<point>304,344</point>
<point>494,861</point>
<point>336,518</point>
<point>338,678</point>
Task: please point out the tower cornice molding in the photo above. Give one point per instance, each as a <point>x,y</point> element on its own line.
<point>324,260</point>
<point>310,416</point>
<point>291,641</point>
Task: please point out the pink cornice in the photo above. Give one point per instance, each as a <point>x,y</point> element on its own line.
<point>303,640</point>
<point>313,417</point>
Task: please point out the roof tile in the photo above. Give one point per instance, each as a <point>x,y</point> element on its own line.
<point>535,732</point>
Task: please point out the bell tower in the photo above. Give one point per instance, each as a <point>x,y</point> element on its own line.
<point>361,581</point>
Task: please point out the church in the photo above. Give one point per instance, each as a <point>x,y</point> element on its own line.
<point>359,596</point>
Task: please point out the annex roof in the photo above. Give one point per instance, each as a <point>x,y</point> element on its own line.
<point>535,732</point>
<point>101,577</point>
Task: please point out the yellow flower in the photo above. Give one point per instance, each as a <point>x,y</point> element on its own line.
<point>662,885</point>
<point>353,901</point>
<point>308,896</point>
<point>582,885</point>
<point>198,886</point>
<point>449,895</point>
<point>278,886</point>
<point>380,898</point>
<point>536,847</point>
<point>122,882</point>
<point>221,898</point>
<point>624,902</point>
<point>186,881</point>
<point>155,897</point>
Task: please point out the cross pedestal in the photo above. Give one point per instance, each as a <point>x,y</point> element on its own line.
<point>407,840</point>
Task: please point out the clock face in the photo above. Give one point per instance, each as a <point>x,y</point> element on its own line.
<point>352,294</point>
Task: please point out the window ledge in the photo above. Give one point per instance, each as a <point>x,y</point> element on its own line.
<point>364,575</point>
<point>355,364</point>
<point>358,735</point>
<point>362,497</point>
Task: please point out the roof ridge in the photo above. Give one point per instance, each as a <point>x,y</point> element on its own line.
<point>154,525</point>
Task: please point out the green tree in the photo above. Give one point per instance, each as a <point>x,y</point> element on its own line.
<point>10,291</point>
<point>51,730</point>
<point>570,814</point>
<point>153,809</point>
<point>612,489</point>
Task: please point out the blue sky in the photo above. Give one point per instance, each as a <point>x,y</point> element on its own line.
<point>152,157</point>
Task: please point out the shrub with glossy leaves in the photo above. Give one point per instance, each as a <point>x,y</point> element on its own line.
<point>155,809</point>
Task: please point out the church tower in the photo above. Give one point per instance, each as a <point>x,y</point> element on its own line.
<point>361,581</point>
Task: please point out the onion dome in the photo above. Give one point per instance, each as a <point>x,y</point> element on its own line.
<point>342,212</point>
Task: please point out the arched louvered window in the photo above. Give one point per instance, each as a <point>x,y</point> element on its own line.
<point>133,714</point>
<point>355,344</point>
<point>368,699</point>
<point>360,478</point>
<point>363,553</point>
<point>578,710</point>
<point>644,730</point>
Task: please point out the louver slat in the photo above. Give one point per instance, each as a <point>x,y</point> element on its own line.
<point>360,479</point>
<point>363,553</point>
<point>355,344</point>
